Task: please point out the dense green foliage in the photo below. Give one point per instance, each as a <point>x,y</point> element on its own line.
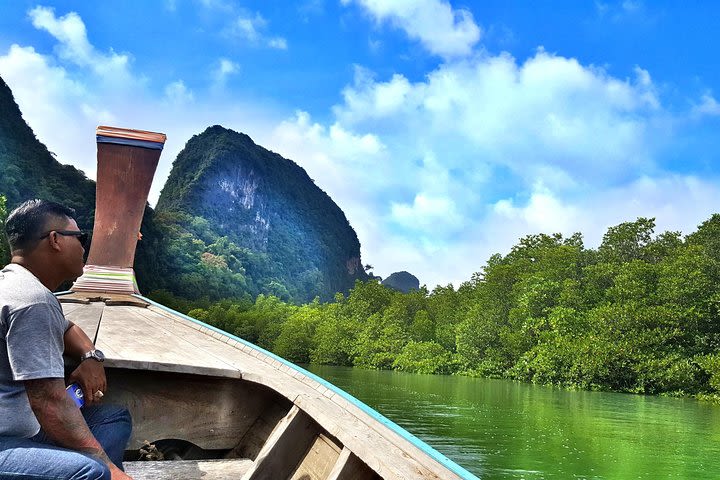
<point>638,314</point>
<point>237,219</point>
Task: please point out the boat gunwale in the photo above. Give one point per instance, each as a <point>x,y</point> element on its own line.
<point>166,367</point>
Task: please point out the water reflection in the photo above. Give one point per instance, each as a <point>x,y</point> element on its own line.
<point>503,429</point>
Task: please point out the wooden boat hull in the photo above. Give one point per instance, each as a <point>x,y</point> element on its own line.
<point>224,408</point>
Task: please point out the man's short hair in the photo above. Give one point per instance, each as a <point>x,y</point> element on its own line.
<point>32,219</point>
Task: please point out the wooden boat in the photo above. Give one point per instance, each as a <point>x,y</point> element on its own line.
<point>214,405</point>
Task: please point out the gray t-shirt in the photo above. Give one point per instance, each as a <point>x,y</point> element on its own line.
<point>32,327</point>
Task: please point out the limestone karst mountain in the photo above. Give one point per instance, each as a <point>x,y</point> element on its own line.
<point>262,217</point>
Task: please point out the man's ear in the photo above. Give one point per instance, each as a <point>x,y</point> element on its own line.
<point>53,241</point>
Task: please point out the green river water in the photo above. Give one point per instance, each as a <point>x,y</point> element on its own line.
<point>503,429</point>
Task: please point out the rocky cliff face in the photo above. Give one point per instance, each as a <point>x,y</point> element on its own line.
<point>267,204</point>
<point>234,196</point>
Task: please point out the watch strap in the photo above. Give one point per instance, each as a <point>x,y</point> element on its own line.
<point>94,354</point>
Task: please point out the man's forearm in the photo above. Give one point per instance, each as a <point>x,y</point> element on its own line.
<point>60,419</point>
<point>89,374</point>
<point>76,341</point>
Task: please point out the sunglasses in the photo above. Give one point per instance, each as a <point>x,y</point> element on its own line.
<point>83,237</point>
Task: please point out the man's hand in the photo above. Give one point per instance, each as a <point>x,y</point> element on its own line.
<point>90,375</point>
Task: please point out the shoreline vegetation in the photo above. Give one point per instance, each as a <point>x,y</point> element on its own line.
<point>639,314</point>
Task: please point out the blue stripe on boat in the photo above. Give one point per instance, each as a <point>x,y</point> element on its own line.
<point>129,141</point>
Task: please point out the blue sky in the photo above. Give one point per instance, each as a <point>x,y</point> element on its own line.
<point>444,130</point>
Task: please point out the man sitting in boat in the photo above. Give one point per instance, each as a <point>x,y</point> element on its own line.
<point>43,434</point>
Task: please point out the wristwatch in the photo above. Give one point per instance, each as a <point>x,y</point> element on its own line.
<point>94,354</point>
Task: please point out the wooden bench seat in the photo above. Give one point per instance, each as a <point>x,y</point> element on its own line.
<point>188,469</point>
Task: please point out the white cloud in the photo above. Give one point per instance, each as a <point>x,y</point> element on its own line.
<point>549,110</point>
<point>100,115</point>
<point>624,11</point>
<point>442,30</point>
<point>339,160</point>
<point>247,27</point>
<point>251,27</point>
<point>225,68</point>
<point>544,212</point>
<point>707,106</point>
<point>677,202</point>
<point>219,5</point>
<point>374,45</point>
<point>277,42</point>
<point>631,6</point>
<point>55,105</point>
<point>348,146</point>
<point>311,7</point>
<point>74,46</point>
<point>601,7</point>
<point>380,99</point>
<point>177,93</point>
<point>427,213</point>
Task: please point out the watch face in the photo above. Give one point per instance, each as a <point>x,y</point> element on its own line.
<point>99,355</point>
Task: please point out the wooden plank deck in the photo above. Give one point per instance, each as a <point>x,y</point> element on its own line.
<point>87,317</point>
<point>135,338</point>
<point>188,469</point>
<point>69,307</point>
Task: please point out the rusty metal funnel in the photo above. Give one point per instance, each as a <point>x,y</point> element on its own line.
<point>127,160</point>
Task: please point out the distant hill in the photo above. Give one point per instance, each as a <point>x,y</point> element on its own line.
<point>28,170</point>
<point>402,281</point>
<point>261,218</point>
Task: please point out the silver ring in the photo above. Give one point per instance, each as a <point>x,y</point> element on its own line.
<point>99,394</point>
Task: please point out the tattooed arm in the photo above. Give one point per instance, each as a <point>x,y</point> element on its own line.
<point>62,421</point>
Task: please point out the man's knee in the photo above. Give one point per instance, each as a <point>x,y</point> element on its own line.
<point>125,419</point>
<point>122,415</point>
<point>116,412</point>
<point>92,470</point>
<point>26,458</point>
<point>108,413</point>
